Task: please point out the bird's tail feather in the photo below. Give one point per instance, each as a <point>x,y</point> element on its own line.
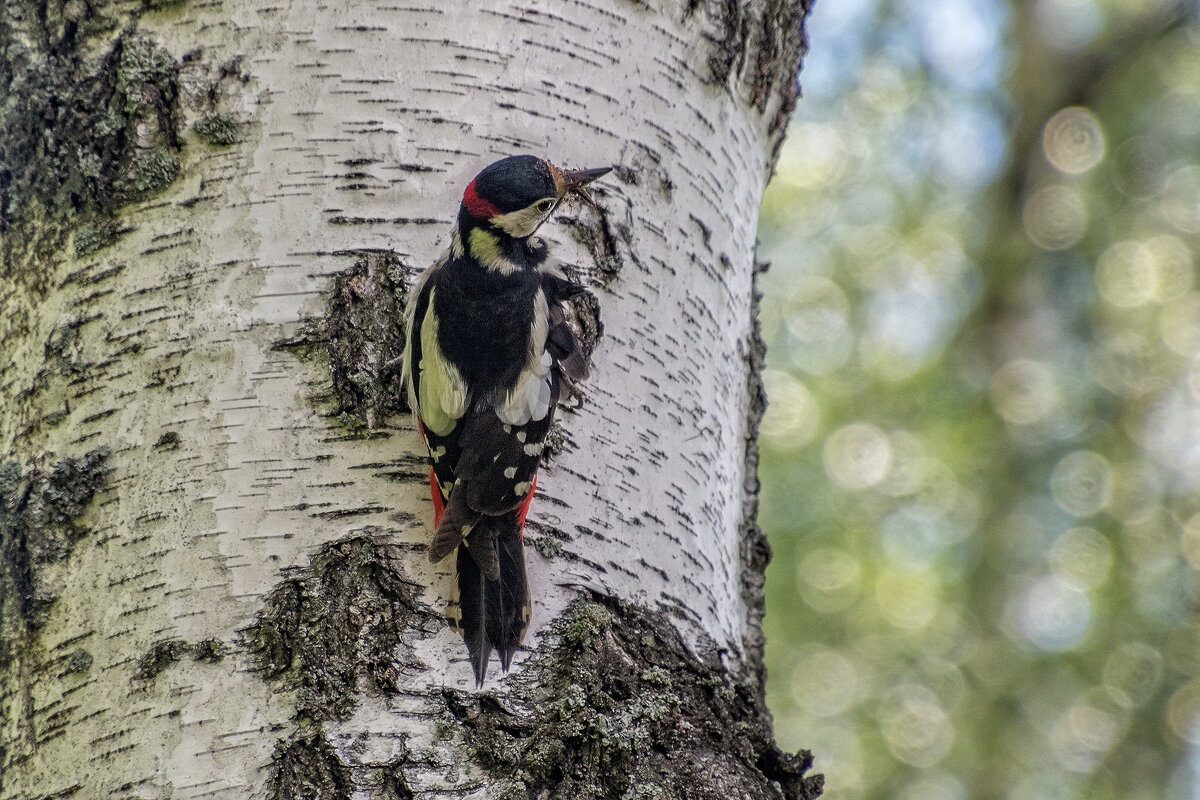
<point>491,614</point>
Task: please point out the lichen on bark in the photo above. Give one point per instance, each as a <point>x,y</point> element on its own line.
<point>39,525</point>
<point>620,707</point>
<point>307,768</point>
<point>92,120</point>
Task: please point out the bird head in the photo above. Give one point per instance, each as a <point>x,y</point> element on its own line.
<point>515,195</point>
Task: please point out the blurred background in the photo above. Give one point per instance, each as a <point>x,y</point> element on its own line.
<point>981,462</point>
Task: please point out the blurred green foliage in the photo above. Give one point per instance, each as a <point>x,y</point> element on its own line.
<point>981,463</point>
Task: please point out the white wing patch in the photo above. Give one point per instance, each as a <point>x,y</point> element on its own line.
<point>529,399</point>
<point>442,394</point>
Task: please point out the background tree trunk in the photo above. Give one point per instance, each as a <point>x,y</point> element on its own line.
<point>214,509</point>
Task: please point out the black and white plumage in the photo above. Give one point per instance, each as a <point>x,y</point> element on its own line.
<point>490,355</point>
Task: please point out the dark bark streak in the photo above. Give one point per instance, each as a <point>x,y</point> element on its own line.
<point>756,551</point>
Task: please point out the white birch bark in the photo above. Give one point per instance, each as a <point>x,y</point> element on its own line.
<point>358,127</point>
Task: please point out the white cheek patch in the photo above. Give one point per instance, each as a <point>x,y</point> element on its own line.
<point>520,224</point>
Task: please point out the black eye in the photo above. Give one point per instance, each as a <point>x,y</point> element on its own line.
<point>544,205</point>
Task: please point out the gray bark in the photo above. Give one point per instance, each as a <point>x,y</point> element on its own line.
<point>212,501</point>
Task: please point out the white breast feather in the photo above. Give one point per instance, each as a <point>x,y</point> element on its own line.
<point>529,399</point>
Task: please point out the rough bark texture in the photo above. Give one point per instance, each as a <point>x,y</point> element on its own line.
<point>213,508</point>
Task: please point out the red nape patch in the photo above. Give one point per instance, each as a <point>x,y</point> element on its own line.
<point>439,505</point>
<point>524,508</point>
<point>476,206</point>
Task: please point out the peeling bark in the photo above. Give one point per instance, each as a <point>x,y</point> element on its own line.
<point>213,577</point>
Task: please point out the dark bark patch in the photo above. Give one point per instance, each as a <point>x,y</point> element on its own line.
<point>307,768</point>
<point>97,234</point>
<point>620,707</point>
<point>39,510</point>
<point>79,661</point>
<point>168,441</point>
<point>159,657</point>
<point>362,335</point>
<point>336,625</point>
<point>165,653</point>
<point>756,47</point>
<point>90,123</point>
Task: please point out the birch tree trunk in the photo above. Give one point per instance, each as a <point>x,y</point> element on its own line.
<point>213,505</point>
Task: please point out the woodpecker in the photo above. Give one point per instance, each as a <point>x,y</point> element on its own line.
<point>489,356</point>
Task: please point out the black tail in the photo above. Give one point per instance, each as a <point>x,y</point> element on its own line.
<point>492,614</point>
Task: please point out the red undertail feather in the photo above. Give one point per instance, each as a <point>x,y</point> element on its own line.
<point>439,504</point>
<point>523,509</point>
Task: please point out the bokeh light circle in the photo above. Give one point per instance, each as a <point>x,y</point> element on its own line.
<point>1081,558</point>
<point>1055,217</point>
<point>857,456</point>
<point>1024,391</point>
<point>915,726</point>
<point>1073,140</point>
<point>792,416</point>
<point>1183,712</point>
<point>1081,483</point>
<point>829,579</point>
<point>1126,276</point>
<point>1132,673</point>
<point>826,683</point>
<point>908,600</point>
<point>1179,200</point>
<point>1049,614</point>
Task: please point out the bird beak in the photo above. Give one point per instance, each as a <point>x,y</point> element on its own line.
<point>574,181</point>
<point>575,178</point>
